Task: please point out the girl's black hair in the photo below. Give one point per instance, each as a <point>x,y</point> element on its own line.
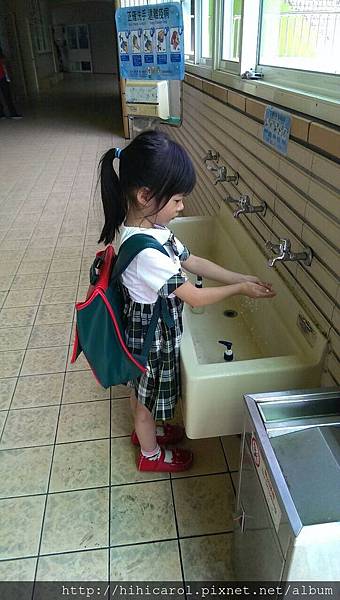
<point>152,160</point>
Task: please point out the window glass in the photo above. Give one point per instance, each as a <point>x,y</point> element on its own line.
<point>206,28</point>
<point>231,32</point>
<point>301,34</point>
<point>189,28</point>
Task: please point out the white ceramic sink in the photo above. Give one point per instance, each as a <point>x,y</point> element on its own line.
<point>271,351</point>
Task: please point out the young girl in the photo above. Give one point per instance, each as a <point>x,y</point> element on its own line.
<point>155,175</point>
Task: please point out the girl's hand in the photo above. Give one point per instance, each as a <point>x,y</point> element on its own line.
<point>253,279</point>
<point>257,290</point>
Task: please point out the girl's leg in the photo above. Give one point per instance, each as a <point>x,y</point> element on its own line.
<point>145,427</point>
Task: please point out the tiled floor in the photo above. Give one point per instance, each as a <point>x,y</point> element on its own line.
<point>72,504</point>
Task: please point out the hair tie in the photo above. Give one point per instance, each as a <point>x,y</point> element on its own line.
<point>118,152</point>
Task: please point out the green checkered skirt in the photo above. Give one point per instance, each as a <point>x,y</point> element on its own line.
<point>159,388</point>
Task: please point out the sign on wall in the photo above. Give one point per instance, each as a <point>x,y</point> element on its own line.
<point>276,128</point>
<point>151,41</point>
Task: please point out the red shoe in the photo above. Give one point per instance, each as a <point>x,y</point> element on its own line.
<point>172,435</point>
<point>181,461</point>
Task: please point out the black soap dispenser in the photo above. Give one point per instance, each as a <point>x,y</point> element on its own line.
<point>228,350</point>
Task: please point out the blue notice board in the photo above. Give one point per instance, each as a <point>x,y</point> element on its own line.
<point>276,128</point>
<point>151,41</point>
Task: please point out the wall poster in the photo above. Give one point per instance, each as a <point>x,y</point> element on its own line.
<point>151,41</point>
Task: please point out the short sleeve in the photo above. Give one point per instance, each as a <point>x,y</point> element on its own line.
<point>154,268</point>
<point>172,284</point>
<point>185,254</point>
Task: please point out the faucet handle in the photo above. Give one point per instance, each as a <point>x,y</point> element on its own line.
<point>211,155</point>
<point>285,244</point>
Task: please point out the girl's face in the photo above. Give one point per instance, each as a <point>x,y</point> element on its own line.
<point>171,210</point>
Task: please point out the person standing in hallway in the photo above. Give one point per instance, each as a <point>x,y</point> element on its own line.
<point>155,175</point>
<point>6,100</point>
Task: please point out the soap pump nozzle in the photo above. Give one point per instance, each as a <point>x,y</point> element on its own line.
<point>228,351</point>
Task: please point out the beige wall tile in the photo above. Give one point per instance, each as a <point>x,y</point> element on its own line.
<point>334,339</point>
<point>325,197</point>
<point>237,100</point>
<point>321,300</point>
<point>291,197</point>
<point>215,90</point>
<point>294,175</point>
<point>300,128</point>
<point>321,248</point>
<point>326,169</point>
<point>323,223</point>
<point>325,138</point>
<point>333,366</point>
<point>255,109</point>
<point>194,81</point>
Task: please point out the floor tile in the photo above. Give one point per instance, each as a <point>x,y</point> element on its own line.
<point>15,317</point>
<point>20,526</point>
<point>14,338</point>
<point>76,521</point>
<point>65,241</point>
<point>81,386</point>
<point>207,558</point>
<point>157,561</point>
<point>84,421</point>
<point>38,390</point>
<point>59,295</point>
<point>31,281</point>
<point>6,281</point>
<point>232,448</point>
<point>121,418</point>
<point>10,363</point>
<point>6,392</point>
<point>3,417</point>
<point>89,565</point>
<point>57,280</point>
<point>120,391</point>
<point>80,364</point>
<point>204,505</point>
<point>208,457</point>
<point>24,472</point>
<point>3,296</point>
<point>49,314</point>
<point>142,512</point>
<point>28,267</point>
<point>45,335</point>
<point>29,297</point>
<point>30,427</point>
<point>22,569</point>
<point>64,265</point>
<point>123,463</point>
<point>80,465</point>
<point>44,360</point>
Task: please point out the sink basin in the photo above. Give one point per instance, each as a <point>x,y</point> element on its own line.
<point>271,350</point>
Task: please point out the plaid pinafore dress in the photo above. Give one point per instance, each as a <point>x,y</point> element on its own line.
<point>159,388</point>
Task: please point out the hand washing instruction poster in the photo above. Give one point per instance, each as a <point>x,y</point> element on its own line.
<point>151,41</point>
<point>276,128</point>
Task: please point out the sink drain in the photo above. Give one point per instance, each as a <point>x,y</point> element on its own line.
<point>230,313</point>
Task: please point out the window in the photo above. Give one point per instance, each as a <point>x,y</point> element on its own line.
<point>189,29</point>
<point>231,33</point>
<point>294,44</point>
<point>302,35</point>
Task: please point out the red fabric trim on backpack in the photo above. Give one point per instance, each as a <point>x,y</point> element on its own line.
<point>75,348</point>
<point>105,271</point>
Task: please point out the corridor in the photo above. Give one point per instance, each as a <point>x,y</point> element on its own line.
<point>72,504</point>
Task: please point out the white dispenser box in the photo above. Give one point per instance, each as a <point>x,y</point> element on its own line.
<point>147,98</point>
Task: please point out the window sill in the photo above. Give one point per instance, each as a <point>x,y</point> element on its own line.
<point>320,107</point>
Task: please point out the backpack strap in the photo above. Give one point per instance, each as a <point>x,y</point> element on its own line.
<point>127,252</point>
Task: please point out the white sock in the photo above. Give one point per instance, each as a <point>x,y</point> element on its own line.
<point>152,454</point>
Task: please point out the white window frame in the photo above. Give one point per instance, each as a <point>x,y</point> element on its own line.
<point>316,94</point>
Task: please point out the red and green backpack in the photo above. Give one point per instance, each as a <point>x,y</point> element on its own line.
<point>100,329</point>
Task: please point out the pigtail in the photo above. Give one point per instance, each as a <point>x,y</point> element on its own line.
<point>114,201</point>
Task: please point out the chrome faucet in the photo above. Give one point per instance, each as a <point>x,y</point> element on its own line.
<point>211,155</point>
<point>284,253</point>
<point>245,206</point>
